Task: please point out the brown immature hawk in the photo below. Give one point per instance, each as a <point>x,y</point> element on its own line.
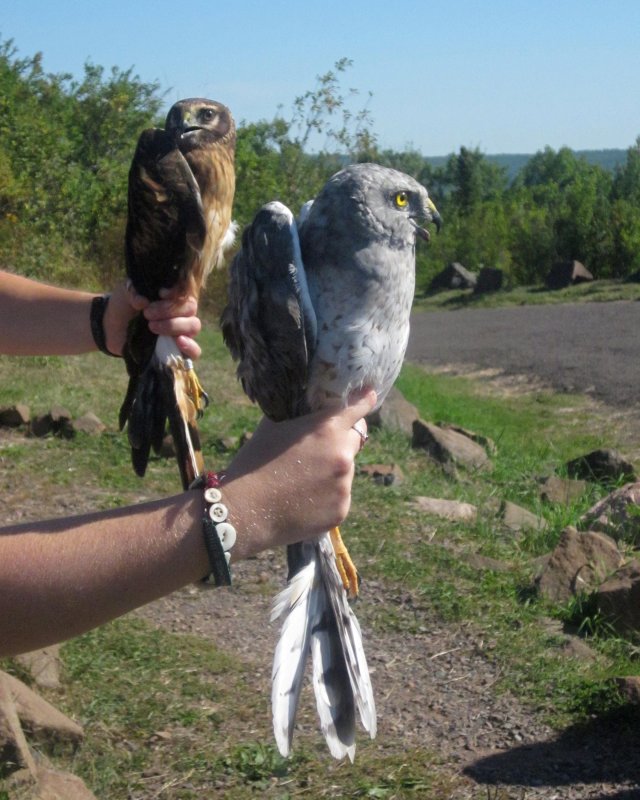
<point>181,187</point>
<point>319,309</point>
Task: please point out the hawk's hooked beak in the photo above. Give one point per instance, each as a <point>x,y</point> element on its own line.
<point>188,123</point>
<point>432,215</point>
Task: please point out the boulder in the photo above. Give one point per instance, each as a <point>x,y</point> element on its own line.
<point>14,416</point>
<point>56,421</point>
<point>566,273</point>
<point>382,474</point>
<point>617,514</point>
<point>562,491</point>
<point>619,598</point>
<point>579,563</point>
<point>41,425</point>
<point>40,719</point>
<point>396,413</point>
<point>483,441</point>
<point>448,447</point>
<point>601,466</point>
<point>47,783</point>
<point>89,423</point>
<point>629,688</point>
<point>43,666</point>
<point>489,279</point>
<point>446,509</point>
<point>515,517</point>
<point>454,276</point>
<point>14,750</point>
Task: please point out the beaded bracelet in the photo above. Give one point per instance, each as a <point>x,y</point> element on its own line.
<point>219,533</point>
<point>96,320</point>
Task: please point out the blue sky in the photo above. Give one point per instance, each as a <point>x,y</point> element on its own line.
<point>504,76</point>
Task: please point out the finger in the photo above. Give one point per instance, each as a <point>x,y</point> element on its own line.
<point>189,347</point>
<point>136,301</point>
<point>360,404</point>
<point>167,309</point>
<point>176,326</point>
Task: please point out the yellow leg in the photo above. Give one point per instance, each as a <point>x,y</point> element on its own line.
<point>346,567</point>
<point>199,397</point>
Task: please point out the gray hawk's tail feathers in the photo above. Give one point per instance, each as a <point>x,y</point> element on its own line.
<point>160,393</point>
<point>318,620</point>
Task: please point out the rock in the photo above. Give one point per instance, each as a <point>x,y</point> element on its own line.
<point>60,415</point>
<point>57,421</point>
<point>448,447</point>
<point>40,719</point>
<point>14,416</point>
<point>489,279</point>
<point>43,666</point>
<point>56,785</point>
<point>563,491</point>
<point>50,784</point>
<point>629,688</point>
<point>383,474</point>
<point>619,597</point>
<point>41,425</point>
<point>90,424</point>
<point>579,563</point>
<point>567,273</point>
<point>517,518</point>
<point>483,441</point>
<point>454,276</point>
<point>485,563</point>
<point>396,413</point>
<point>601,466</point>
<point>447,509</point>
<point>617,514</point>
<point>14,750</point>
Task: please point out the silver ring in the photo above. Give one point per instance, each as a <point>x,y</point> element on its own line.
<point>363,436</point>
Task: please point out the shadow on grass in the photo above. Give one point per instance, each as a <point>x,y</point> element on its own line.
<point>604,750</point>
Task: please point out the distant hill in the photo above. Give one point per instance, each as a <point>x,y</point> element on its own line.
<point>514,162</point>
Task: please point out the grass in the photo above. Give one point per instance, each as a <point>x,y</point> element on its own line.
<point>174,716</point>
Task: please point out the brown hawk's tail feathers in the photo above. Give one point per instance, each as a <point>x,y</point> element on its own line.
<point>319,621</point>
<point>165,390</point>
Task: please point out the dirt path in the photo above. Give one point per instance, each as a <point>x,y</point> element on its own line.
<point>584,347</point>
<point>435,689</point>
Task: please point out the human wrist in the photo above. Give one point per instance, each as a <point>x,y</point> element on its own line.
<point>98,311</point>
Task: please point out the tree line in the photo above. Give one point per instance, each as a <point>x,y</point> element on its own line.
<point>66,145</point>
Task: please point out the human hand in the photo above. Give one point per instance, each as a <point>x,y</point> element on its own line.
<point>172,315</point>
<point>293,478</point>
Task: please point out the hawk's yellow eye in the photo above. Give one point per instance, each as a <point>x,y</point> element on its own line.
<point>401,199</point>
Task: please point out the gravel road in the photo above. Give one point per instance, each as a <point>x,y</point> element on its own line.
<point>586,347</point>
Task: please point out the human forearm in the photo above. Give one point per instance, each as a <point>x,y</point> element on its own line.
<point>37,319</point>
<point>59,578</point>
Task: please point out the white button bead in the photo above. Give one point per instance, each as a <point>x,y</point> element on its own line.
<point>212,495</point>
<point>218,512</point>
<point>227,535</point>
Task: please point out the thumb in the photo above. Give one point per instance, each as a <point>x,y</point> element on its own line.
<point>360,404</point>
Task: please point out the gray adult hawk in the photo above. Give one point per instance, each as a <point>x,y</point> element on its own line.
<point>317,310</point>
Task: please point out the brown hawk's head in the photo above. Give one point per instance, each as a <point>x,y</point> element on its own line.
<point>197,122</point>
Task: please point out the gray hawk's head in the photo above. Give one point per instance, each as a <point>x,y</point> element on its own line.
<point>369,198</point>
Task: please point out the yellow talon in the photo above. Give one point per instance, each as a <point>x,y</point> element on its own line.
<point>199,397</point>
<point>345,565</point>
